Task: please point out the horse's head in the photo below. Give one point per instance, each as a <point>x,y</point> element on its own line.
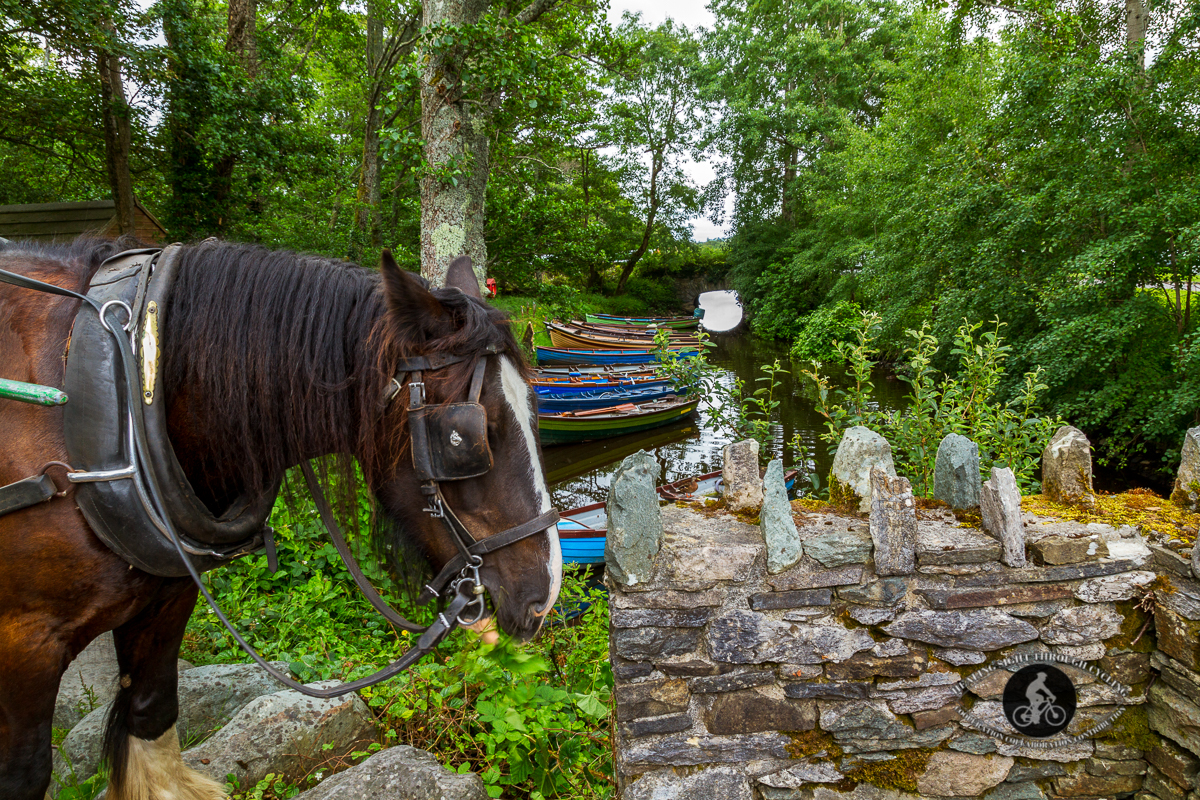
<point>522,578</point>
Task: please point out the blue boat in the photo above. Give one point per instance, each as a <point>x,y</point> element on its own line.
<point>560,355</point>
<point>585,387</point>
<point>601,398</point>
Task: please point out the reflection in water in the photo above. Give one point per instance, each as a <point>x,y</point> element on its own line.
<point>722,311</point>
<point>580,473</point>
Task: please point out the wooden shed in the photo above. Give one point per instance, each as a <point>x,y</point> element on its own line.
<point>65,221</point>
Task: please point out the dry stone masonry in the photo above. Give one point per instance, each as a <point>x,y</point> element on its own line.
<point>875,666</point>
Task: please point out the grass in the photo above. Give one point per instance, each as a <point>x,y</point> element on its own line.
<point>532,720</point>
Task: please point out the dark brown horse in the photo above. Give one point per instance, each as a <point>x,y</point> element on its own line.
<point>270,358</point>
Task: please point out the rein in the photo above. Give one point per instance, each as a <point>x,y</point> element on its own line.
<point>432,466</point>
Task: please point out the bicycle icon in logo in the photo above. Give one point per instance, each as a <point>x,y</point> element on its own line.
<point>1039,700</point>
<point>1041,708</point>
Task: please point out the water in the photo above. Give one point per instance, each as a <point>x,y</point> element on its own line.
<point>579,474</point>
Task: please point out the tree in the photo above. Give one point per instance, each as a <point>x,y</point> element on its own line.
<point>653,116</point>
<point>483,64</point>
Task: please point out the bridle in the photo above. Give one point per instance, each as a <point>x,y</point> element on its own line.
<point>449,443</point>
<point>432,430</point>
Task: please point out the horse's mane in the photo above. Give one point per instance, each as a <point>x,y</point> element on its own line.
<point>280,350</point>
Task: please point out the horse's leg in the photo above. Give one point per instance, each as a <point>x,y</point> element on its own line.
<point>141,743</point>
<point>31,665</point>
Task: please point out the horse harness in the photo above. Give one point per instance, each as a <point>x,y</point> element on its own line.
<point>136,498</point>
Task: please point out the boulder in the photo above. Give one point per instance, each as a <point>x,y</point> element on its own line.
<point>208,698</point>
<point>398,773</point>
<point>860,451</point>
<point>285,733</point>
<point>1187,481</point>
<point>1000,506</point>
<point>956,472</point>
<point>1067,467</point>
<point>635,528</point>
<point>893,524</point>
<point>747,637</point>
<point>743,488</point>
<point>90,681</point>
<point>778,527</point>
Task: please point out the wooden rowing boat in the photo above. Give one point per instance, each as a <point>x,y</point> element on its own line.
<point>562,355</point>
<point>573,336</point>
<point>601,423</point>
<point>601,398</point>
<point>681,323</point>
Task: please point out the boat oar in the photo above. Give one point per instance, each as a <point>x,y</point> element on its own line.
<point>31,393</point>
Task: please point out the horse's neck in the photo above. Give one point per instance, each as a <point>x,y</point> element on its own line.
<point>288,434</point>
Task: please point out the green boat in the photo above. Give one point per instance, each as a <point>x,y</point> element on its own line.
<point>682,323</point>
<point>587,426</point>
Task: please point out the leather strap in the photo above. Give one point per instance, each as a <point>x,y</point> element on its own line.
<point>482,547</point>
<point>339,541</point>
<point>26,493</point>
<point>38,286</point>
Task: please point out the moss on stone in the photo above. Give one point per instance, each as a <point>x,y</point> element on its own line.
<point>1150,513</point>
<point>810,505</point>
<point>842,496</point>
<point>1134,620</point>
<point>899,772</point>
<point>806,744</point>
<point>1132,729</point>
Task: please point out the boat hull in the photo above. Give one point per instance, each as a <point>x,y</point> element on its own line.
<point>557,429</point>
<point>582,401</point>
<point>556,355</point>
<point>679,323</point>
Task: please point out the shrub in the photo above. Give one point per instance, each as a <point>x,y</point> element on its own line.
<point>1008,434</point>
<point>823,328</point>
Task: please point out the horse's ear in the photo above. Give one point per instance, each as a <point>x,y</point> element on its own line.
<point>411,306</point>
<point>461,275</point>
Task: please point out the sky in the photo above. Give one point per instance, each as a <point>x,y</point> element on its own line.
<point>693,14</point>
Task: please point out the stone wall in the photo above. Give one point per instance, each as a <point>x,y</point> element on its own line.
<point>827,680</point>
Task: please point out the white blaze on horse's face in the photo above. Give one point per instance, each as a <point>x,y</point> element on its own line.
<point>517,394</point>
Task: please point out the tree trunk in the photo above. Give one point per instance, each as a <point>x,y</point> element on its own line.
<point>117,138</point>
<point>627,270</point>
<point>1135,31</point>
<point>366,216</point>
<point>595,281</point>
<point>242,33</point>
<point>457,148</point>
<point>457,152</point>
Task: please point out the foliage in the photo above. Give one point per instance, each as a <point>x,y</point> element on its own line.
<point>529,718</point>
<point>822,328</point>
<point>1008,434</point>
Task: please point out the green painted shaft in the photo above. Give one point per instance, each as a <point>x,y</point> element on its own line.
<point>31,393</point>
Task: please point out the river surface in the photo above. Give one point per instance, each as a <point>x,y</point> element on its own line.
<point>579,474</point>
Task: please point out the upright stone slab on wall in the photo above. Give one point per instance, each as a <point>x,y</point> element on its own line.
<point>1000,507</point>
<point>1067,467</point>
<point>1187,481</point>
<point>743,487</point>
<point>860,451</point>
<point>635,530</point>
<point>778,527</point>
<point>893,524</point>
<point>956,472</point>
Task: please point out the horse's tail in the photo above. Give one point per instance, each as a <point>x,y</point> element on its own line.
<point>115,750</point>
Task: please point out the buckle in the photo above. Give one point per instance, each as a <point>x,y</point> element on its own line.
<point>416,394</point>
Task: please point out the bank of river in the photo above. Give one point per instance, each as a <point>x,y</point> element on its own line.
<point>579,474</point>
